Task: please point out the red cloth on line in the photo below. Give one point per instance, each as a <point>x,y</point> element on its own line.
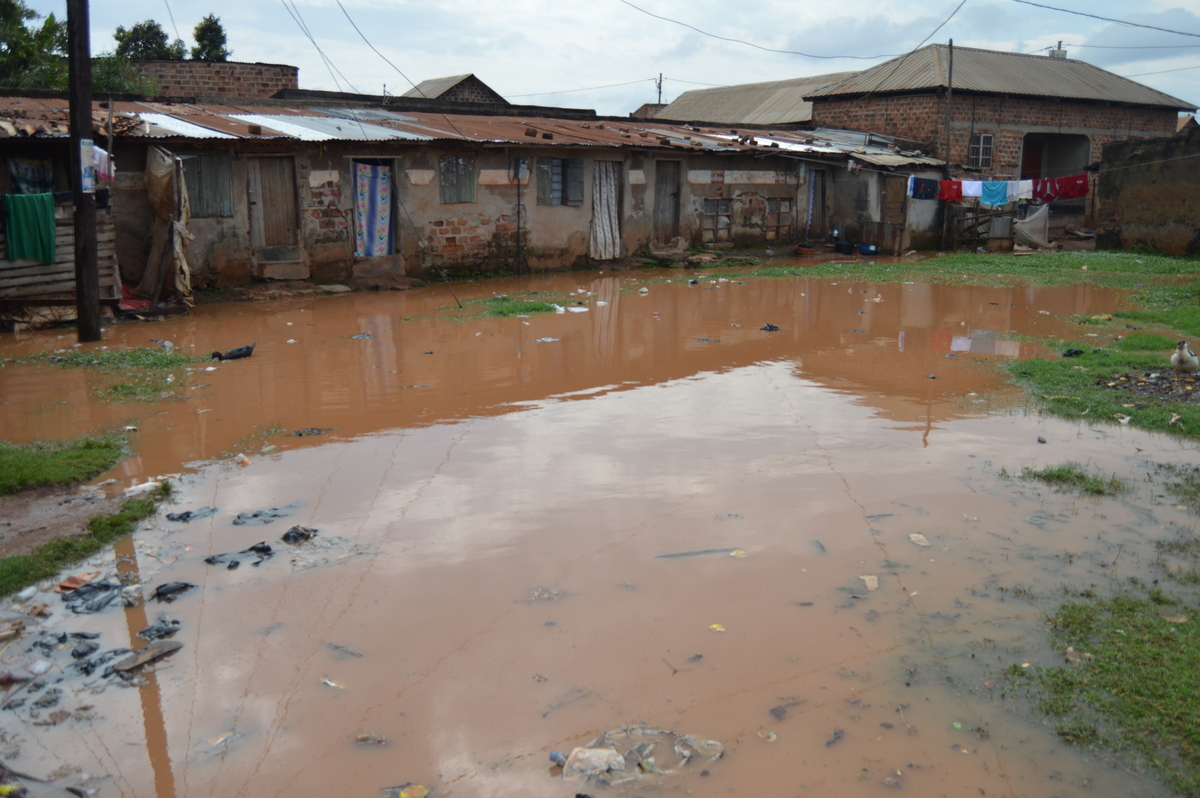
<point>1060,188</point>
<point>950,190</point>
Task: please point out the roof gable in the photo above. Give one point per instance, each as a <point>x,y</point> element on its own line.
<point>777,102</point>
<point>471,89</point>
<point>995,72</point>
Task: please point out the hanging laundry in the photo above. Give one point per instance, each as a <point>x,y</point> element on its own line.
<point>994,193</point>
<point>1046,189</point>
<point>31,176</point>
<point>30,227</point>
<point>1073,187</point>
<point>909,188</point>
<point>105,168</point>
<point>972,188</point>
<point>950,190</point>
<point>1024,190</point>
<point>923,188</point>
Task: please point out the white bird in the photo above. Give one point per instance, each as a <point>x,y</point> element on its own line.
<point>1184,360</point>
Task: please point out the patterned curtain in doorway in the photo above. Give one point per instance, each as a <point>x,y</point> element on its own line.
<point>605,241</point>
<point>372,210</point>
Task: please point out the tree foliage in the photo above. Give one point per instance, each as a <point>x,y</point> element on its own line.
<point>210,40</point>
<point>147,41</point>
<point>31,57</point>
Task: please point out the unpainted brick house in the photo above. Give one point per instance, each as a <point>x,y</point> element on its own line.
<point>218,78</point>
<point>1011,116</point>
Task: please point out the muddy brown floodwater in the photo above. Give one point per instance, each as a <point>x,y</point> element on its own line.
<point>493,498</point>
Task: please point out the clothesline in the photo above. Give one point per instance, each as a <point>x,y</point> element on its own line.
<point>997,193</point>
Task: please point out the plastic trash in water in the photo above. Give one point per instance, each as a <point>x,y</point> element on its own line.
<point>557,758</point>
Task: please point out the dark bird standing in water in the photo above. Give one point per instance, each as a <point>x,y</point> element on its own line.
<point>235,354</point>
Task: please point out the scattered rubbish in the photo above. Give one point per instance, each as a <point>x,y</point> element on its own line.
<point>131,595</point>
<point>40,610</point>
<point>298,534</point>
<point>547,340</point>
<point>716,627</point>
<point>171,590</point>
<point>577,309</point>
<point>27,593</point>
<point>223,739</point>
<point>693,553</point>
<point>1040,439</point>
<point>360,336</point>
<point>370,739</point>
<point>627,753</point>
<point>709,340</point>
<point>819,546</point>
<point>769,328</point>
<point>557,758</point>
<point>543,593</point>
<point>409,790</point>
<point>919,539</point>
<point>304,433</point>
<point>550,623</point>
<point>192,515</point>
<point>92,597</point>
<point>643,290</point>
<point>1077,657</point>
<point>259,517</point>
<point>342,652</point>
<point>804,603</point>
<point>834,736</point>
<point>242,459</point>
<point>1176,618</point>
<point>877,516</point>
<point>329,683</point>
<point>76,582</point>
<point>161,628</point>
<point>155,651</point>
<point>231,560</point>
<point>870,580</point>
<point>738,553</point>
<point>695,658</point>
<point>1072,353</point>
<point>769,736</point>
<point>234,354</point>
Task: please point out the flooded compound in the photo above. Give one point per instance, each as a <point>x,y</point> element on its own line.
<point>644,522</point>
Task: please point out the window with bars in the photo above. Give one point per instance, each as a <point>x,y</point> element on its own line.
<point>457,179</point>
<point>715,222</point>
<point>779,219</point>
<point>209,181</point>
<point>560,181</point>
<point>979,155</point>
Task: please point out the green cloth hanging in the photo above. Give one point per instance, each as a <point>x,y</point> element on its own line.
<point>30,228</point>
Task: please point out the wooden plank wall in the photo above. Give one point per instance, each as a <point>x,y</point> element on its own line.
<point>28,279</point>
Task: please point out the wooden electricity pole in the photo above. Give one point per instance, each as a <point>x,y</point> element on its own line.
<point>79,76</point>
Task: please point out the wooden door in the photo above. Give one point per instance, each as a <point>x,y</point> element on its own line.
<point>818,225</point>
<point>272,188</point>
<point>666,201</point>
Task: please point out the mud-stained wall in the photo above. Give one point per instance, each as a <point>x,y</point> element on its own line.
<point>855,208</point>
<point>750,185</point>
<point>1149,195</point>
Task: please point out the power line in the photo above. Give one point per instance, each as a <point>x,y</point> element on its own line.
<point>1103,19</point>
<point>593,88</point>
<point>1161,72</point>
<point>299,20</point>
<point>694,83</point>
<point>752,44</point>
<point>172,16</point>
<point>381,55</point>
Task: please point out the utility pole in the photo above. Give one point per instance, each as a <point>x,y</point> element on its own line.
<point>947,239</point>
<point>658,83</point>
<point>79,77</point>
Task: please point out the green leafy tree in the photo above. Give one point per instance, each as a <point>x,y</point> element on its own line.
<point>148,41</point>
<point>31,57</point>
<point>113,74</point>
<point>210,40</point>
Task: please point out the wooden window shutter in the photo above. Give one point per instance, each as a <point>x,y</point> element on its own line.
<point>574,181</point>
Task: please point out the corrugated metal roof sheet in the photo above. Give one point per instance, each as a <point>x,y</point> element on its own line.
<point>777,102</point>
<point>435,87</point>
<point>995,72</point>
<point>202,122</point>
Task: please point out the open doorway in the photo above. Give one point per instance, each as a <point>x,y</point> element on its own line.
<point>373,208</point>
<point>1054,155</point>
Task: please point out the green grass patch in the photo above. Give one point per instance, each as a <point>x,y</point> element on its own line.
<point>1132,685</point>
<point>53,463</point>
<point>1072,476</point>
<point>1184,484</point>
<point>506,306</point>
<point>51,558</point>
<point>1163,345</point>
<point>1077,388</point>
<point>143,374</point>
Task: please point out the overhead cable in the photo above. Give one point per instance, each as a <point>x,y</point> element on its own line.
<point>1161,72</point>
<point>1103,19</point>
<point>592,88</point>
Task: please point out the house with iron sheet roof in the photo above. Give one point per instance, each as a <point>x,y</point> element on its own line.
<point>777,102</point>
<point>1011,116</point>
<point>324,189</point>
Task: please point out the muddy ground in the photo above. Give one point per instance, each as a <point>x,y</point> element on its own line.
<point>854,564</point>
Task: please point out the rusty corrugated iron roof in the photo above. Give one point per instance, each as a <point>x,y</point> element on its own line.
<point>22,117</point>
<point>777,102</point>
<point>995,72</point>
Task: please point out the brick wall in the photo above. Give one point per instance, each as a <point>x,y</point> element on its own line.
<point>921,118</point>
<point>472,90</point>
<point>471,238</point>
<point>219,78</point>
<point>1149,196</point>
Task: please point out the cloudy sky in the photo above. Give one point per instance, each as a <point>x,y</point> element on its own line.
<point>551,52</point>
